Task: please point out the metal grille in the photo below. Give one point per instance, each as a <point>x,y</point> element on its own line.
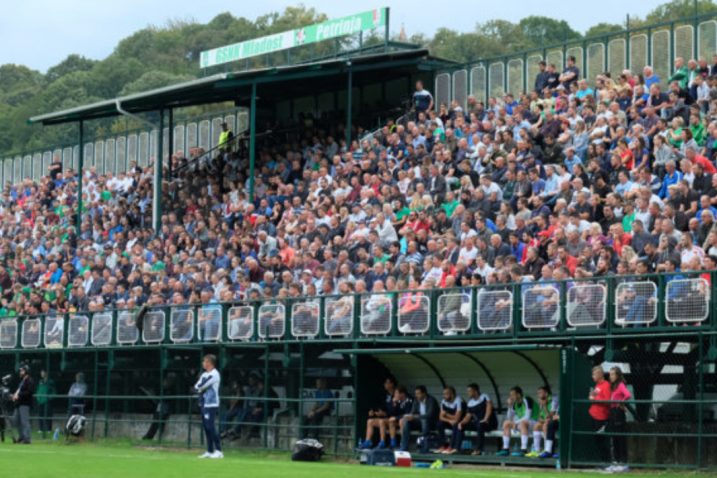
<point>100,157</point>
<point>102,329</point>
<point>181,325</point>
<point>478,83</point>
<point>339,316</point>
<point>192,137</point>
<point>577,52</point>
<point>687,300</point>
<point>121,154</point>
<point>460,87</point>
<point>240,323</point>
<point>178,140</point>
<point>243,120</point>
<point>111,156</point>
<point>89,158</point>
<point>454,312</point>
<point>8,333</point>
<point>27,167</point>
<point>231,120</point>
<point>638,52</point>
<point>376,314</point>
<point>707,39</point>
<point>8,171</point>
<point>131,149</point>
<point>67,158</point>
<point>414,310</point>
<point>54,332</point>
<point>684,42</point>
<point>616,56</point>
<point>587,305</point>
<point>272,321</point>
<point>495,309</point>
<point>305,319</point>
<point>541,307</point>
<point>443,89</point>
<point>127,331</point>
<point>143,149</point>
<point>76,157</point>
<point>204,135</point>
<point>31,334</point>
<point>515,77</point>
<point>661,53</point>
<point>635,303</point>
<point>153,327</point>
<point>36,166</point>
<point>556,58</point>
<point>496,78</point>
<point>216,131</point>
<point>210,323</point>
<point>532,64</point>
<point>79,327</point>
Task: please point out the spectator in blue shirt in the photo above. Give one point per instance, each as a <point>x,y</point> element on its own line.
<point>322,408</point>
<point>672,177</point>
<point>571,159</point>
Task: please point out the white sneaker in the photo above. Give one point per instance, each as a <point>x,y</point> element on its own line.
<point>206,454</point>
<point>405,329</point>
<point>217,454</point>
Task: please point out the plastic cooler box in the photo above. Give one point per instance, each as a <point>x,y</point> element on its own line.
<point>403,458</point>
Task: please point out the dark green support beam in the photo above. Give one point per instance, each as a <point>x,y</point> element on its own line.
<point>252,140</point>
<point>80,165</point>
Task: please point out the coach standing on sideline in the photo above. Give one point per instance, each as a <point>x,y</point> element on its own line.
<point>23,401</point>
<point>208,389</point>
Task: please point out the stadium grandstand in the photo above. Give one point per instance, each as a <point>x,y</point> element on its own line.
<point>382,221</point>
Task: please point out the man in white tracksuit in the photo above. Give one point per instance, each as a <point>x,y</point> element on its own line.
<point>208,389</point>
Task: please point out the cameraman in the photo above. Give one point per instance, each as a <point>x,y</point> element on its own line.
<point>23,400</point>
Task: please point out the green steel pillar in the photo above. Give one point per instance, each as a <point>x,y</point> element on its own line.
<point>387,32</point>
<point>157,186</point>
<point>171,140</point>
<point>628,63</point>
<point>80,166</point>
<point>349,104</point>
<point>252,140</point>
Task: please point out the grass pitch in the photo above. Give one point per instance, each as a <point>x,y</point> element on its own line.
<point>108,460</point>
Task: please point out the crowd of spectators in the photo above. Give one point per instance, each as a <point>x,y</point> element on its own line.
<point>578,178</point>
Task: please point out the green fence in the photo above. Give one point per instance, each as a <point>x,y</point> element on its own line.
<point>547,310</point>
<point>656,45</point>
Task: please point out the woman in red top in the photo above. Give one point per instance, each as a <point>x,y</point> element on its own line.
<point>618,394</point>
<point>626,155</point>
<point>600,411</point>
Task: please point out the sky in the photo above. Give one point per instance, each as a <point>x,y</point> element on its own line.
<point>41,33</point>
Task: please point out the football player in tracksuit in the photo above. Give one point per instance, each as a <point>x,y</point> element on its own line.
<point>479,417</point>
<point>547,423</point>
<point>402,405</point>
<point>522,416</point>
<point>450,416</point>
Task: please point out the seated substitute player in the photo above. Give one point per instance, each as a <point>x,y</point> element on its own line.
<point>449,417</point>
<point>479,416</point>
<point>547,423</point>
<point>377,416</point>
<point>402,405</point>
<point>522,414</point>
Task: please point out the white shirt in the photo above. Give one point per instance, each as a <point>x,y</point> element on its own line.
<point>208,388</point>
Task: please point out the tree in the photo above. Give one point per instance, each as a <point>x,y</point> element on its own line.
<point>68,65</point>
<point>602,29</point>
<point>152,80</point>
<point>677,9</point>
<point>544,31</point>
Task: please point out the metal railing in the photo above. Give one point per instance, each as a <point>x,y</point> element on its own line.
<point>656,45</point>
<point>557,309</point>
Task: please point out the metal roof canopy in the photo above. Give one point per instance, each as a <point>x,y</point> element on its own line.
<point>274,81</point>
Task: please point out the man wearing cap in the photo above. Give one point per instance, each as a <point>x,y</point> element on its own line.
<point>22,398</point>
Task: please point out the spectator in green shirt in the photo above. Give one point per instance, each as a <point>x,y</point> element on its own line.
<point>450,204</point>
<point>681,74</point>
<point>45,389</point>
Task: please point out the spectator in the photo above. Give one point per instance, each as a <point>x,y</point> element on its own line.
<point>619,394</point>
<point>76,395</point>
<point>600,411</point>
<point>322,408</point>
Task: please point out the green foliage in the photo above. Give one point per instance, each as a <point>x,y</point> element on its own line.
<point>162,55</point>
<point>602,29</point>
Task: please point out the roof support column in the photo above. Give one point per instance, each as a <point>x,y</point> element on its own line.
<point>349,105</point>
<point>80,166</point>
<point>171,151</point>
<point>252,140</point>
<point>157,183</point>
